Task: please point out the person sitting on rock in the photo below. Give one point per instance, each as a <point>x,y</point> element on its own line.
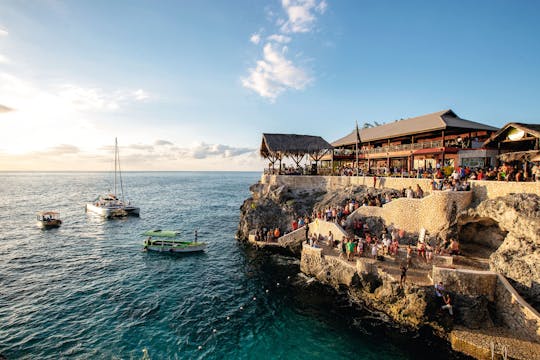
<point>330,239</point>
<point>454,247</point>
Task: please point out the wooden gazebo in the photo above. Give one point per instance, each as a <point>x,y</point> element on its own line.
<point>274,147</point>
<point>516,142</point>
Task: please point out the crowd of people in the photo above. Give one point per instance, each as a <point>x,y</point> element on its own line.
<point>503,172</point>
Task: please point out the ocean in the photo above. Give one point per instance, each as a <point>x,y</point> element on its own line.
<point>87,290</point>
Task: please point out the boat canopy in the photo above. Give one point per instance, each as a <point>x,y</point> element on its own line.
<point>162,233</point>
<point>52,213</point>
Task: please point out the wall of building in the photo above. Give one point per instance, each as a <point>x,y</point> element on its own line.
<point>482,190</point>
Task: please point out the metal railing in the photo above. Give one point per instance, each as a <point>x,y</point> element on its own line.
<point>391,148</point>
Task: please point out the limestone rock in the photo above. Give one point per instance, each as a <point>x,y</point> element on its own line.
<point>513,220</point>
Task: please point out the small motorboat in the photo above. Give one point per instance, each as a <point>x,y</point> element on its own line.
<point>48,219</point>
<point>168,241</point>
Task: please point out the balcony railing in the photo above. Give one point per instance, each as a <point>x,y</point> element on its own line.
<point>392,148</point>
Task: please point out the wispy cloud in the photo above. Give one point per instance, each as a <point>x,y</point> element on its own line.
<point>282,39</point>
<point>274,73</point>
<point>3,59</point>
<point>97,99</point>
<point>301,15</point>
<point>3,32</point>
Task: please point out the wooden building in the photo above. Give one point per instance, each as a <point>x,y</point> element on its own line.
<point>420,142</point>
<point>516,142</point>
<point>276,147</point>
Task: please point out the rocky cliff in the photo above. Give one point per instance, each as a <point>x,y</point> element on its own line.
<point>274,206</point>
<point>509,228</point>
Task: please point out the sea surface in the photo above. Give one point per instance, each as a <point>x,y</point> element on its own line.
<point>88,291</point>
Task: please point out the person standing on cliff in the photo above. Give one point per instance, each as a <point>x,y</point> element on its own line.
<point>403,277</point>
<point>448,304</point>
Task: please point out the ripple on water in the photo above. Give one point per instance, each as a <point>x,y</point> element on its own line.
<point>86,290</point>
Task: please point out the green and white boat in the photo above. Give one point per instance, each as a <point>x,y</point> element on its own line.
<point>168,241</point>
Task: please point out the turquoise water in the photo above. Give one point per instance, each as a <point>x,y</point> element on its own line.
<point>86,290</point>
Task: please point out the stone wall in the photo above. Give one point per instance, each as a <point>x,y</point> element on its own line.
<point>327,269</point>
<point>433,212</point>
<point>323,227</point>
<point>482,190</point>
<point>516,313</point>
<point>467,282</point>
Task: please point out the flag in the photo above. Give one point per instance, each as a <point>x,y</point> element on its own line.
<point>357,134</point>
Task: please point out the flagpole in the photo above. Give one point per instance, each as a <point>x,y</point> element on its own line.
<point>357,139</point>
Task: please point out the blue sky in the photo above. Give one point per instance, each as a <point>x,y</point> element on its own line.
<point>191,85</point>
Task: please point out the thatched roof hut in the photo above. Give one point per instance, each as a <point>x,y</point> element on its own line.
<point>276,146</point>
<point>292,145</point>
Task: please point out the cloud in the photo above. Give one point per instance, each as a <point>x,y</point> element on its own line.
<point>141,95</point>
<point>141,147</point>
<point>97,99</point>
<point>279,38</point>
<point>4,109</point>
<point>201,156</point>
<point>275,74</point>
<point>4,59</point>
<point>88,99</point>
<point>63,149</point>
<point>3,32</point>
<point>163,143</point>
<point>255,38</point>
<point>301,15</point>
<point>203,151</point>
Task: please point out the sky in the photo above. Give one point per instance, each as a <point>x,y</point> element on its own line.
<point>193,84</point>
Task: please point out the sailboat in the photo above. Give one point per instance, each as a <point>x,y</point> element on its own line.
<point>111,205</point>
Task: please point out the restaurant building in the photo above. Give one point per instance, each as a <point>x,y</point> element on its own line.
<point>417,143</point>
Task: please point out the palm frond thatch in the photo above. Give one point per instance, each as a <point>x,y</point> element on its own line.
<point>278,145</point>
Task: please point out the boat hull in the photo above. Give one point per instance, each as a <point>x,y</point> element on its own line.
<point>49,224</point>
<point>110,212</point>
<point>176,249</point>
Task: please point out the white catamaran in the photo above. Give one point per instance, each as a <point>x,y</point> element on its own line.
<point>110,205</point>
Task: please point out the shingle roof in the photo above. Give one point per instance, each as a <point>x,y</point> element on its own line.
<point>439,120</point>
<point>287,144</point>
<point>533,129</point>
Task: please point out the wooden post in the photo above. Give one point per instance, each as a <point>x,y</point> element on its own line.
<point>443,147</point>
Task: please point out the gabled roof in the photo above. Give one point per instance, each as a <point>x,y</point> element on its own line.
<point>439,120</point>
<point>533,129</point>
<point>292,144</point>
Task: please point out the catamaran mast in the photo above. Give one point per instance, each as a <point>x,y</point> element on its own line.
<point>115,158</point>
<point>120,174</point>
